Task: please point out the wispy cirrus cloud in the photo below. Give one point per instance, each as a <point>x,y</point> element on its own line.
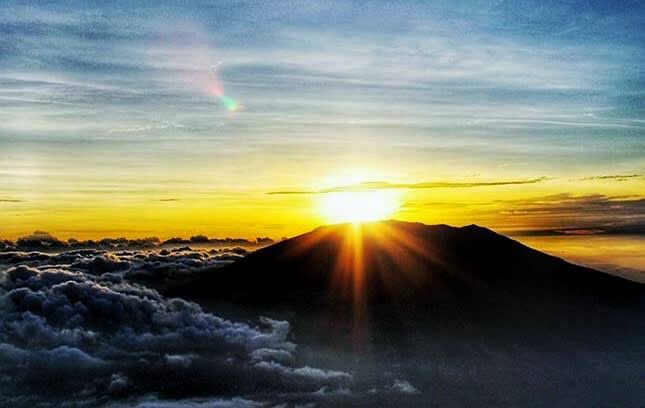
<point>384,185</point>
<point>617,177</point>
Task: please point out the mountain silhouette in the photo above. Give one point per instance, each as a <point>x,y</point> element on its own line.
<point>402,266</point>
<point>469,314</point>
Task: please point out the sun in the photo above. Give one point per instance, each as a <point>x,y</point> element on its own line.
<point>359,206</point>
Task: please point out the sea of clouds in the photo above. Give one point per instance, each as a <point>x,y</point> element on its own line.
<point>90,326</point>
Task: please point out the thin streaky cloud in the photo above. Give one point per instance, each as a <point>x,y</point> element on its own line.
<point>617,177</point>
<point>384,185</point>
<point>568,214</point>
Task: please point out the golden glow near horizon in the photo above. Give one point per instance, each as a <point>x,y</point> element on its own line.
<point>91,205</point>
<point>119,202</point>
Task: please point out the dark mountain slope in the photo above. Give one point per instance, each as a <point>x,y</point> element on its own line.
<point>470,317</point>
<point>409,265</point>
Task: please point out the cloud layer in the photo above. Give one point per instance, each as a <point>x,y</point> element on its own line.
<point>42,240</point>
<point>75,327</point>
<point>569,214</point>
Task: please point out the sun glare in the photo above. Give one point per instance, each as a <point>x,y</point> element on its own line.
<point>359,206</point>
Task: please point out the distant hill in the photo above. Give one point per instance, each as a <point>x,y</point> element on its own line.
<point>399,266</point>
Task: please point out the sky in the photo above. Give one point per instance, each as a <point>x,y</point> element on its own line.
<point>241,118</point>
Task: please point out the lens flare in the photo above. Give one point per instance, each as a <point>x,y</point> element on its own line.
<point>190,58</point>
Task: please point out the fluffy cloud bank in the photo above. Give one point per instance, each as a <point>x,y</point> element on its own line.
<point>76,327</point>
<point>159,269</point>
<point>42,240</point>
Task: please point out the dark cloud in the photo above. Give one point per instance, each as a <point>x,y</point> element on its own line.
<point>43,241</point>
<point>75,327</point>
<point>161,269</point>
<point>6,245</point>
<point>404,387</point>
<point>384,185</point>
<point>154,402</point>
<point>565,214</point>
<point>40,239</point>
<point>555,214</point>
<point>617,177</point>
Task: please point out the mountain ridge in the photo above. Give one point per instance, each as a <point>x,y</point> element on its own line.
<point>405,264</point>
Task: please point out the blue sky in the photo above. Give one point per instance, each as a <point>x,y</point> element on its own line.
<point>106,99</point>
